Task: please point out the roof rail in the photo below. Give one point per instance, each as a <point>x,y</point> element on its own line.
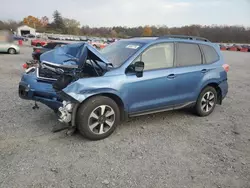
<point>184,37</point>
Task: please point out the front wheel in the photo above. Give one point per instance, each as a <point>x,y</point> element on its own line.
<point>12,51</point>
<point>206,101</point>
<point>98,117</point>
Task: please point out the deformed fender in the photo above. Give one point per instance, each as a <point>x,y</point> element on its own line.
<point>80,93</point>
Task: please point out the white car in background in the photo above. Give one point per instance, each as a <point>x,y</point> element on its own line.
<point>9,47</point>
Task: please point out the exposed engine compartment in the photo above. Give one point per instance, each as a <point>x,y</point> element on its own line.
<point>63,75</point>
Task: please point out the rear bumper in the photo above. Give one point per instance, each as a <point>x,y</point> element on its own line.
<point>31,89</point>
<point>224,88</point>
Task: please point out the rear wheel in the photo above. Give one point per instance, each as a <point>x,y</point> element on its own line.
<point>98,117</point>
<point>12,51</point>
<point>206,101</point>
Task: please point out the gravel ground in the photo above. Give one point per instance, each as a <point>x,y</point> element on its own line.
<point>170,149</point>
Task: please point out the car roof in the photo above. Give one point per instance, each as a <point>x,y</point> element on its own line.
<point>144,40</point>
<point>172,38</point>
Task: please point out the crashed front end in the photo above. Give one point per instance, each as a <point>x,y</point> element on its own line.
<point>64,77</point>
<point>37,82</point>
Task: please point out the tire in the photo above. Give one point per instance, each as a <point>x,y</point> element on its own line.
<point>206,101</point>
<point>11,51</point>
<point>90,113</point>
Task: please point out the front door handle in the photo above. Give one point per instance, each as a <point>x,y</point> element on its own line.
<point>171,76</point>
<point>204,70</point>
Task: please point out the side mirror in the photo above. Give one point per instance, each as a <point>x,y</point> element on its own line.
<point>138,68</point>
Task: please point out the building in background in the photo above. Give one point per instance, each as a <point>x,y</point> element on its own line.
<point>25,30</point>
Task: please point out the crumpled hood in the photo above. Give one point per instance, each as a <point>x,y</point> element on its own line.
<point>81,51</point>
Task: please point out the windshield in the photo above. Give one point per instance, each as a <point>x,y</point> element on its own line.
<point>117,53</point>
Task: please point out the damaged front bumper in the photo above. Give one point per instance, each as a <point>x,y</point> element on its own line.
<point>32,89</point>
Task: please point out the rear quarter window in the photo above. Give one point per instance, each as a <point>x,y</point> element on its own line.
<point>210,54</point>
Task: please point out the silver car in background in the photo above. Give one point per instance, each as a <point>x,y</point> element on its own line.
<point>9,47</point>
<point>7,44</point>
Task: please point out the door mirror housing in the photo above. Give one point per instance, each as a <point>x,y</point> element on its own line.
<point>138,68</point>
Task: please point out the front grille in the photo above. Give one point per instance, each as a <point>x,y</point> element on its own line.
<point>47,74</point>
<point>44,73</point>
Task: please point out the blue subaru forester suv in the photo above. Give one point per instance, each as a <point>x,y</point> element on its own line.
<point>92,90</point>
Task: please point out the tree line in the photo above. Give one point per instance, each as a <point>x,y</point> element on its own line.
<point>62,25</point>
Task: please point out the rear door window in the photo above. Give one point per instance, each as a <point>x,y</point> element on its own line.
<point>210,54</point>
<point>188,54</point>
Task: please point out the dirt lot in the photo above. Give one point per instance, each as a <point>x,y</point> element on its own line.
<point>171,149</point>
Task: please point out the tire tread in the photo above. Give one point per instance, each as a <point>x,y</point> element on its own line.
<point>197,107</point>
<point>84,111</point>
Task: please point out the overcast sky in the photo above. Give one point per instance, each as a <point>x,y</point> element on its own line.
<point>134,12</point>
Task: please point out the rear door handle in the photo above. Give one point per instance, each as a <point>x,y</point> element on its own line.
<point>204,70</point>
<point>171,76</point>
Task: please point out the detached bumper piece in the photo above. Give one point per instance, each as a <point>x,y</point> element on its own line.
<point>66,112</point>
<point>67,115</point>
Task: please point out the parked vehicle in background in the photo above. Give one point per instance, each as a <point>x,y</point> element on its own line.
<point>6,43</point>
<point>99,44</point>
<point>29,36</point>
<point>82,38</point>
<point>51,38</point>
<point>110,40</point>
<point>95,90</point>
<point>246,48</point>
<point>38,42</point>
<point>235,47</point>
<point>17,37</point>
<point>232,48</point>
<point>9,47</point>
<point>37,51</point>
<point>223,47</point>
<point>238,47</point>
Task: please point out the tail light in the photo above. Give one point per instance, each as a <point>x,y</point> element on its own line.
<point>225,67</point>
<point>38,51</point>
<point>25,66</point>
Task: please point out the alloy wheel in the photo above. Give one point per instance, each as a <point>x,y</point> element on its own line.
<point>207,101</point>
<point>101,119</point>
<point>12,51</point>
